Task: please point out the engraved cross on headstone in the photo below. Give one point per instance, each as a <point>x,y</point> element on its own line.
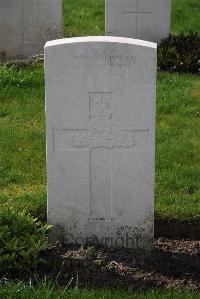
<point>101,138</point>
<point>138,12</point>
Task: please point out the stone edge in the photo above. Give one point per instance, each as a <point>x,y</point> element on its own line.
<point>111,39</point>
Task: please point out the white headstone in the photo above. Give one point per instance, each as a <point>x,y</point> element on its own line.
<point>142,19</point>
<point>100,117</point>
<point>26,25</point>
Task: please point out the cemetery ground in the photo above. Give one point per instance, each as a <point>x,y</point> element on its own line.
<point>173,263</point>
<point>88,19</point>
<point>23,169</point>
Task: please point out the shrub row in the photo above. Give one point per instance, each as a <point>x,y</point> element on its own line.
<point>180,53</point>
<point>22,240</point>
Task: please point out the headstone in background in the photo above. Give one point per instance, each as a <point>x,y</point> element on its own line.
<point>26,25</point>
<point>100,118</point>
<point>141,19</point>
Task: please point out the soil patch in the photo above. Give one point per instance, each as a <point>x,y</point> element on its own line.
<point>171,264</point>
<point>175,230</point>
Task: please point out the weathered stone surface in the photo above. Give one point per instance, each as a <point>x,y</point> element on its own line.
<point>142,19</point>
<point>100,116</point>
<point>26,25</point>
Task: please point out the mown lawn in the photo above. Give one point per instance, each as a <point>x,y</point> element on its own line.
<point>83,17</point>
<point>185,16</point>
<point>178,147</point>
<point>86,17</point>
<point>47,290</point>
<point>22,139</point>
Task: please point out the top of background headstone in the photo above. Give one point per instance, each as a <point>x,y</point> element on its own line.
<point>111,39</point>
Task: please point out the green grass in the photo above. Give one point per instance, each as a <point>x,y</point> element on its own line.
<point>83,17</point>
<point>47,290</point>
<point>86,17</point>
<point>185,16</point>
<point>22,143</point>
<point>178,147</point>
<point>22,139</point>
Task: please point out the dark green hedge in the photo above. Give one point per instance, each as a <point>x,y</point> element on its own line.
<point>180,53</point>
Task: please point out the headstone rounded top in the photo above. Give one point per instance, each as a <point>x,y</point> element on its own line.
<point>111,39</point>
